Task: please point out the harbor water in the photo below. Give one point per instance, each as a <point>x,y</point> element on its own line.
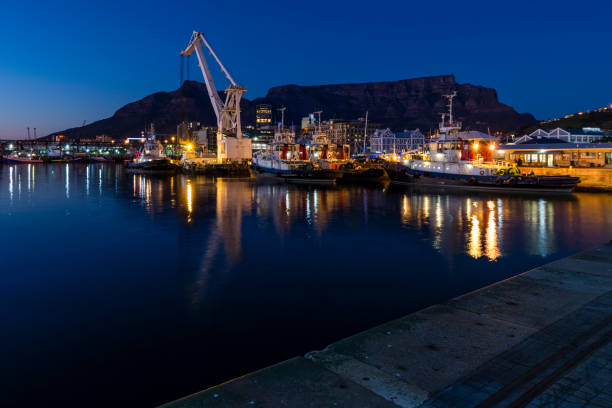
<point>131,290</point>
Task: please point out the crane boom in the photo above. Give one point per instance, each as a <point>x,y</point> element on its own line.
<point>195,44</point>
<point>230,144</point>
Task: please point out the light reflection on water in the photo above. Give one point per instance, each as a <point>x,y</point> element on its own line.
<point>231,275</point>
<point>483,221</point>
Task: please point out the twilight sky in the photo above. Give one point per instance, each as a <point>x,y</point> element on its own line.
<point>64,62</point>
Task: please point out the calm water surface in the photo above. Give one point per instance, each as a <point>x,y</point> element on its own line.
<point>124,290</point>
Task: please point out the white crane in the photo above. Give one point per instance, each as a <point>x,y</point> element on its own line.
<point>230,143</point>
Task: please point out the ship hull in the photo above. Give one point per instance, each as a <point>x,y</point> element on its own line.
<point>162,166</point>
<point>20,160</point>
<point>295,176</point>
<point>519,183</point>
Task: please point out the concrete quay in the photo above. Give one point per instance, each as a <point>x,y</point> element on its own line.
<point>539,339</point>
<point>591,178</point>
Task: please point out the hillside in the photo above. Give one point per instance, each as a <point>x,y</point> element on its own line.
<point>600,118</point>
<point>405,104</point>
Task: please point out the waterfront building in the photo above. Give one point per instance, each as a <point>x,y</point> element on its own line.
<point>584,135</point>
<point>386,141</point>
<point>184,131</point>
<point>341,131</point>
<point>206,138</point>
<point>351,132</point>
<point>264,128</point>
<point>555,153</point>
<point>308,123</point>
<point>263,115</point>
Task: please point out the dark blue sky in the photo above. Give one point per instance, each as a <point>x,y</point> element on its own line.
<point>65,62</point>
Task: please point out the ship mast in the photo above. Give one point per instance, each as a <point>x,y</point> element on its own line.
<point>447,128</point>
<point>450,98</point>
<point>282,110</point>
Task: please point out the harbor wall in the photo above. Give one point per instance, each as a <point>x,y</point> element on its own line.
<point>497,344</point>
<point>590,179</point>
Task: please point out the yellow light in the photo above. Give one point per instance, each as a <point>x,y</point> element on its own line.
<point>189,198</point>
<point>476,146</point>
<point>126,141</point>
<point>492,147</point>
<point>188,147</point>
<point>173,138</point>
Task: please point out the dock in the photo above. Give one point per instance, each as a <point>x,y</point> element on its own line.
<point>542,338</point>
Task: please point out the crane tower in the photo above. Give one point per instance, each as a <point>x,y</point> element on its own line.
<point>230,143</point>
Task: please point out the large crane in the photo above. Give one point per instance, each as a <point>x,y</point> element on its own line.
<point>230,143</point>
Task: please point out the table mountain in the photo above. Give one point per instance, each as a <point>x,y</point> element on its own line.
<point>405,104</point>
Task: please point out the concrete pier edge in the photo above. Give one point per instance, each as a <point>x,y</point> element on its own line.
<point>523,341</point>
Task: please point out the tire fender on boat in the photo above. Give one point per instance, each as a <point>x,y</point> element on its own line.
<point>482,172</point>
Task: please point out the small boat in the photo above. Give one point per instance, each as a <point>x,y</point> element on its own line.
<point>151,160</point>
<point>152,166</point>
<point>363,172</point>
<point>16,159</point>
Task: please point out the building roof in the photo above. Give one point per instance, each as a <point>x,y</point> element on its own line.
<point>409,134</point>
<point>556,146</point>
<point>539,140</point>
<point>474,134</point>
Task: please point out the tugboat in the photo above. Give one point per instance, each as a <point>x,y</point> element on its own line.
<point>150,158</point>
<point>284,160</point>
<point>465,160</point>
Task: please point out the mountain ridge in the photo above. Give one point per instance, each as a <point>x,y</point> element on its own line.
<point>404,104</point>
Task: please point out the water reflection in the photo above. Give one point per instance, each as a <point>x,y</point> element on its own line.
<point>481,227</point>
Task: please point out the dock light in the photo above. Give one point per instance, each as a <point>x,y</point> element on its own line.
<point>126,141</point>
<point>476,146</point>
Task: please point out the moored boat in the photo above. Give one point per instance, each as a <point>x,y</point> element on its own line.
<point>151,160</point>
<point>466,160</point>
<point>284,160</point>
<point>28,159</point>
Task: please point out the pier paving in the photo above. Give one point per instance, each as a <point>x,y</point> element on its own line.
<point>540,339</point>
